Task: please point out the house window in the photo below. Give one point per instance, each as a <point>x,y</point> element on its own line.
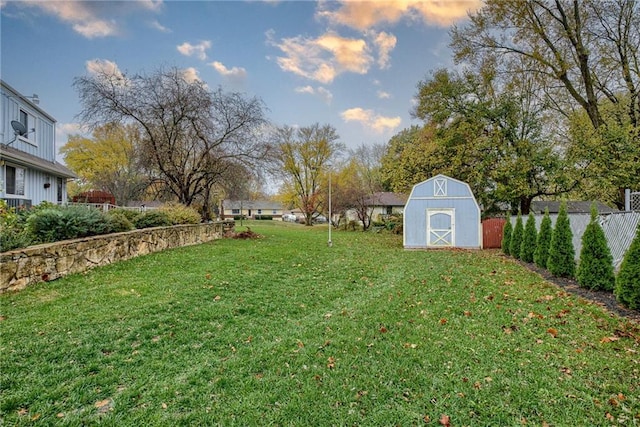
<point>14,182</point>
<point>28,121</point>
<point>274,212</point>
<point>389,210</point>
<point>60,190</point>
<point>235,211</point>
<point>259,211</point>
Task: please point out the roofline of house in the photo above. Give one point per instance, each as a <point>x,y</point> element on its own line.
<point>26,100</point>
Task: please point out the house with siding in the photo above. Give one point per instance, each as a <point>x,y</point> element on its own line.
<point>29,172</point>
<point>251,209</point>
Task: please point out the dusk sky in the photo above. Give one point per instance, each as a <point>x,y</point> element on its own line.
<point>351,64</point>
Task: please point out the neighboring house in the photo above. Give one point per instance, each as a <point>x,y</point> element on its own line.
<point>251,208</point>
<point>539,206</point>
<point>380,206</point>
<point>29,172</point>
<point>442,212</point>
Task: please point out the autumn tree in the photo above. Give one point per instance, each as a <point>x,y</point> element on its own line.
<point>189,134</point>
<point>301,158</point>
<point>109,160</point>
<point>364,181</point>
<point>488,135</point>
<point>581,53</point>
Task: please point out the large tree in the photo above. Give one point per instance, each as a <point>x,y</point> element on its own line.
<point>582,53</point>
<point>109,160</point>
<point>488,134</point>
<point>302,157</point>
<point>190,135</point>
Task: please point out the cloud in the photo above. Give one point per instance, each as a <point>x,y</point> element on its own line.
<point>105,68</point>
<point>385,43</point>
<point>369,119</point>
<point>323,58</point>
<point>236,74</point>
<point>367,14</point>
<point>197,50</point>
<point>92,19</point>
<point>383,95</point>
<point>158,26</point>
<point>321,92</point>
<point>190,75</point>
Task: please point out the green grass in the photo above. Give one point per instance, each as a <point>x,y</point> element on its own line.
<point>286,331</point>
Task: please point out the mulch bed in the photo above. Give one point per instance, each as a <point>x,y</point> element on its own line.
<point>602,298</point>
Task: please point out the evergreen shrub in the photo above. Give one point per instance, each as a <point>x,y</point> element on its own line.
<point>155,218</point>
<point>595,270</point>
<point>507,230</point>
<point>561,261</point>
<point>516,238</point>
<point>543,242</point>
<point>627,289</point>
<point>529,238</point>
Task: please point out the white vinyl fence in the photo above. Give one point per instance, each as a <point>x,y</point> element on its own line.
<point>619,229</point>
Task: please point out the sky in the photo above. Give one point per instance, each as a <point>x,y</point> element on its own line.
<point>354,65</point>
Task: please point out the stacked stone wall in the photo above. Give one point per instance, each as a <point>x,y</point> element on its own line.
<point>23,267</point>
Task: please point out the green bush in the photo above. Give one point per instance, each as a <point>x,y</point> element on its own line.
<point>543,242</point>
<point>528,246</point>
<point>264,217</point>
<point>595,270</point>
<point>507,230</point>
<point>155,218</point>
<point>68,222</point>
<point>561,261</point>
<point>130,214</point>
<point>627,288</point>
<point>516,238</point>
<point>120,222</point>
<point>181,214</point>
<point>13,232</point>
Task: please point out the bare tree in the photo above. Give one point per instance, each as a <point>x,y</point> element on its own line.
<point>190,135</point>
<point>301,158</point>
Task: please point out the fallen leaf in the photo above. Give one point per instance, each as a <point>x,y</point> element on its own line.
<point>217,298</point>
<point>609,339</point>
<point>443,321</point>
<point>467,313</point>
<point>332,363</point>
<point>36,417</point>
<point>164,405</point>
<point>553,332</point>
<point>383,330</point>
<point>23,411</point>
<point>610,417</point>
<point>207,276</point>
<point>445,420</point>
<point>426,419</point>
<point>60,415</point>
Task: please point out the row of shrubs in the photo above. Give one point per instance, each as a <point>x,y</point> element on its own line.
<point>552,249</point>
<point>46,222</point>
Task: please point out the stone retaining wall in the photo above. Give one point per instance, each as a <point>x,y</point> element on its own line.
<point>23,267</point>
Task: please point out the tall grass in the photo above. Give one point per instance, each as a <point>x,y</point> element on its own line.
<point>283,330</point>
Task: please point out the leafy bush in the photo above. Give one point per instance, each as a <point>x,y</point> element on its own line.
<point>507,231</point>
<point>120,222</point>
<point>528,246</point>
<point>595,270</point>
<point>155,218</point>
<point>13,233</point>
<point>541,253</point>
<point>516,238</point>
<point>561,261</point>
<point>264,217</point>
<point>130,214</point>
<point>68,222</point>
<point>627,288</point>
<point>181,214</point>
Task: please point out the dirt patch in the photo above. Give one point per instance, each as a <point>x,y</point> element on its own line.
<point>247,234</point>
<point>602,298</point>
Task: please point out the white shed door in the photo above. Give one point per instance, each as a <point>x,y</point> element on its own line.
<point>441,227</point>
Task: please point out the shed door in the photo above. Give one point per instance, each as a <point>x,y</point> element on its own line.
<point>441,227</point>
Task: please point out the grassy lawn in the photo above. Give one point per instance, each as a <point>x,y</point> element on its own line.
<point>286,331</point>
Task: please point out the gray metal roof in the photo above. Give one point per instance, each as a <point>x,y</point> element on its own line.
<point>252,204</point>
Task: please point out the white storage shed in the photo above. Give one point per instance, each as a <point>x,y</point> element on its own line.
<point>442,212</point>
